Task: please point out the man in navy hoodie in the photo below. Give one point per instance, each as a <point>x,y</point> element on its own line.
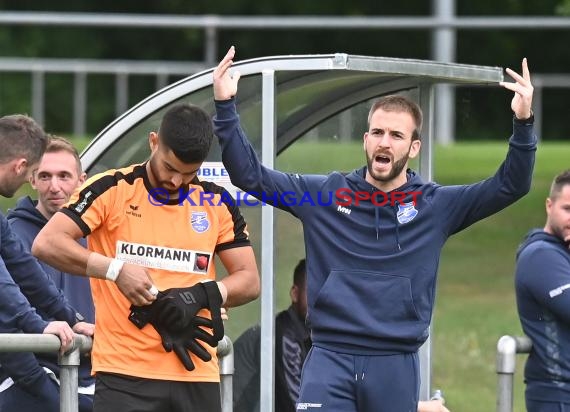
<point>542,284</point>
<point>372,263</point>
<point>56,178</point>
<point>23,283</point>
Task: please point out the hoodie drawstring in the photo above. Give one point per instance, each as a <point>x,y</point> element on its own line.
<point>396,222</point>
<point>360,364</point>
<point>377,222</point>
<point>365,367</point>
<point>395,209</point>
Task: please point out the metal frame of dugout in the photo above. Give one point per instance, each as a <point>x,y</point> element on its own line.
<point>291,94</point>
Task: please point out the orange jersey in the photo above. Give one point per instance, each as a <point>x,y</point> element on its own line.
<point>176,242</point>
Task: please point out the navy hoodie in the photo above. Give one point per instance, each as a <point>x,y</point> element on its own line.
<point>542,284</point>
<point>26,221</point>
<point>23,283</point>
<point>371,270</point>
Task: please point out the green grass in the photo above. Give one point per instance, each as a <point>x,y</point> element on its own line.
<point>475,300</point>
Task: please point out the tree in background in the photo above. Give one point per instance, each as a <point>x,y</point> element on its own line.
<point>478,117</point>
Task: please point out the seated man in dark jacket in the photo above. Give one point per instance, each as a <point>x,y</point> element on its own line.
<point>292,342</point>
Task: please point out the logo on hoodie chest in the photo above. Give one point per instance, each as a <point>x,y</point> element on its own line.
<point>406,212</point>
<point>344,210</point>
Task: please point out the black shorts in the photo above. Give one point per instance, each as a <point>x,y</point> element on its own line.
<point>123,393</point>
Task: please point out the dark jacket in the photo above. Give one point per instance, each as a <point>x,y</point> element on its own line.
<point>26,222</point>
<point>292,344</point>
<point>22,281</point>
<point>542,283</point>
<point>371,269</point>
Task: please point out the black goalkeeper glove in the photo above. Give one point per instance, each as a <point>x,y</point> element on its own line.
<point>182,340</point>
<point>177,307</point>
<point>173,315</point>
<point>188,340</point>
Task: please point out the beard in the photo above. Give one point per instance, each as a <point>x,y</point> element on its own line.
<point>397,168</point>
<point>9,187</point>
<point>558,231</point>
<point>156,177</point>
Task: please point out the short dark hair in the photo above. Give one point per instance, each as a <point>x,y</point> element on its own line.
<point>61,144</point>
<point>21,136</point>
<point>187,131</point>
<point>558,183</point>
<point>399,103</point>
<point>300,274</point>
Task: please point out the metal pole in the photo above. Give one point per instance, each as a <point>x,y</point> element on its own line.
<point>68,374</point>
<point>69,371</point>
<point>79,103</point>
<point>29,342</point>
<point>69,361</point>
<point>38,92</point>
<point>122,93</point>
<point>267,375</point>
<point>226,361</point>
<point>426,102</point>
<point>82,20</point>
<point>211,45</point>
<point>161,80</point>
<point>537,108</point>
<point>443,50</point>
<point>507,348</point>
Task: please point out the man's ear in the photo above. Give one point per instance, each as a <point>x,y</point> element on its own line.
<point>294,294</point>
<point>33,180</point>
<point>415,148</point>
<point>548,205</point>
<point>82,178</point>
<point>153,141</point>
<point>20,166</point>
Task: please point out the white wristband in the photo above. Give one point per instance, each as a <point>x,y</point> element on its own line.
<point>114,269</point>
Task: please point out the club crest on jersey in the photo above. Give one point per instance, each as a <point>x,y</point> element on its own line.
<point>199,221</point>
<point>406,212</point>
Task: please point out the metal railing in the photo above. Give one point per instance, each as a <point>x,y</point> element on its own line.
<point>69,362</point>
<point>443,26</point>
<point>507,349</point>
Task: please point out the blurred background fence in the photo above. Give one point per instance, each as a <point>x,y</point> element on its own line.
<point>443,27</point>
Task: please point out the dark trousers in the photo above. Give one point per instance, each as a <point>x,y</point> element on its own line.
<point>540,406</point>
<point>131,394</point>
<point>333,381</point>
<point>42,396</point>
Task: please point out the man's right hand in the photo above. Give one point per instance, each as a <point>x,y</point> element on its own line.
<point>225,83</point>
<point>134,282</point>
<point>174,316</point>
<point>63,331</point>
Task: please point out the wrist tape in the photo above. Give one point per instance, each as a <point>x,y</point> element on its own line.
<point>114,269</point>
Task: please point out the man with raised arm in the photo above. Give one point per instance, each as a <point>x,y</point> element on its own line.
<point>372,265</point>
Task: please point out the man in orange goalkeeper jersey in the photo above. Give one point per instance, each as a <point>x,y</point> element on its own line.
<point>148,227</point>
